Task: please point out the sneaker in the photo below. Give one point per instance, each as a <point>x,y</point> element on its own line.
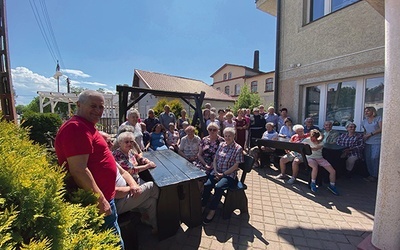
<point>313,187</point>
<point>291,181</point>
<point>281,176</point>
<point>333,190</point>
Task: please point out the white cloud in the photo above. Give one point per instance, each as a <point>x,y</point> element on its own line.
<point>94,84</point>
<point>26,83</point>
<point>75,72</point>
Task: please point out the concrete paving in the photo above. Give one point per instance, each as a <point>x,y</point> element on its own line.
<point>283,216</point>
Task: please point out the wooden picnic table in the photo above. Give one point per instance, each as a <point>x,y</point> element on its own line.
<point>180,198</point>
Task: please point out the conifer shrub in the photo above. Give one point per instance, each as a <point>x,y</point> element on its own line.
<point>33,211</point>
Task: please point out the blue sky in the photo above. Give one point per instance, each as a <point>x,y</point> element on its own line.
<point>102,42</point>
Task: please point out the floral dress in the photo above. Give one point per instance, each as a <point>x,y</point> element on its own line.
<point>209,149</point>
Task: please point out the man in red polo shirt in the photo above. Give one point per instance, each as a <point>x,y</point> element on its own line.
<point>86,156</point>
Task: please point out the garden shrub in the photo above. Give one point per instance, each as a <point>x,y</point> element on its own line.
<point>175,107</point>
<point>39,124</point>
<point>33,211</point>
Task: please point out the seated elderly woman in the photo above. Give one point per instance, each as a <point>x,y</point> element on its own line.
<point>132,196</point>
<point>189,146</point>
<point>208,147</point>
<point>224,174</point>
<point>354,144</point>
<point>293,157</point>
<point>129,158</point>
<point>269,134</point>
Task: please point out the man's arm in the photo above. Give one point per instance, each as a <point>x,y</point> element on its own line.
<point>84,179</point>
<point>132,188</point>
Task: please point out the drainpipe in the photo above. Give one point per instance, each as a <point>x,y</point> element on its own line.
<point>277,54</point>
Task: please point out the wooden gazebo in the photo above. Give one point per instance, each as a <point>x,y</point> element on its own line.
<point>138,93</point>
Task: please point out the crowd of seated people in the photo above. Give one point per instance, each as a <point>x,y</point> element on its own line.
<point>219,156</point>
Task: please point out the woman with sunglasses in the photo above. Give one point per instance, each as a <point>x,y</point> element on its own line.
<point>208,147</point>
<point>129,158</point>
<point>142,198</point>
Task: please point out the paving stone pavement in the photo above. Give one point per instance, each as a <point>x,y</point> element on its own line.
<point>283,216</point>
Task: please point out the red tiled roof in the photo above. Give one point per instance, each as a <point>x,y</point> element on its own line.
<point>165,82</point>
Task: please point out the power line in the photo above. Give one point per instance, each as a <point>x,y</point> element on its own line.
<point>50,28</point>
<point>43,21</point>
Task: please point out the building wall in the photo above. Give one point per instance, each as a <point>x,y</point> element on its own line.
<point>346,44</point>
<point>241,76</point>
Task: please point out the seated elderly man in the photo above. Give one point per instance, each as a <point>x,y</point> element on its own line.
<point>309,125</point>
<point>330,136</point>
<point>132,196</point>
<point>354,144</point>
<point>293,157</point>
<point>270,134</point>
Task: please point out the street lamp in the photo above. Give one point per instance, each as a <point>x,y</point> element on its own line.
<point>57,76</point>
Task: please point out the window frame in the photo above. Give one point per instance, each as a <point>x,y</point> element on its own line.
<point>227,90</point>
<point>237,89</point>
<point>254,84</point>
<point>327,9</point>
<point>271,79</point>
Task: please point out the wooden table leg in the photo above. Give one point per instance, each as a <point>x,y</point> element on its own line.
<point>168,212</point>
<point>190,205</point>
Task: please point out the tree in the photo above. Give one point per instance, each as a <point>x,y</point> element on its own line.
<point>246,100</point>
<point>77,90</point>
<point>175,106</point>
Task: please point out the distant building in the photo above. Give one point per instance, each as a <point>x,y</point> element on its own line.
<point>158,81</point>
<point>231,78</point>
<point>331,58</point>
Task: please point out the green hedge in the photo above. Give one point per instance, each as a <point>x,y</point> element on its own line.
<point>39,124</point>
<point>33,211</point>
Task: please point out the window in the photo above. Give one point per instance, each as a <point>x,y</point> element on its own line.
<point>254,86</point>
<point>343,101</point>
<point>340,102</point>
<point>313,95</point>
<point>229,75</point>
<point>225,76</point>
<point>237,89</point>
<point>320,8</point>
<point>227,90</point>
<point>269,85</point>
<point>374,94</point>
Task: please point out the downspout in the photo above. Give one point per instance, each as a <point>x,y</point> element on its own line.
<point>277,54</point>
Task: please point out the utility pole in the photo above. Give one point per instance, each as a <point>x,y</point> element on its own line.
<point>6,87</point>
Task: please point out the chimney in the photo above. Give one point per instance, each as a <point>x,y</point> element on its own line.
<point>256,63</point>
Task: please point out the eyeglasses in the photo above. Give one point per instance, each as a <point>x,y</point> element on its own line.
<point>212,129</point>
<point>127,142</point>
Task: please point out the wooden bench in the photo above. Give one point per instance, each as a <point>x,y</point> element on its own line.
<point>235,197</point>
<point>303,149</point>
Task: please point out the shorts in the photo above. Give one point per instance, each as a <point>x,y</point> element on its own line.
<point>320,161</point>
<point>290,156</point>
